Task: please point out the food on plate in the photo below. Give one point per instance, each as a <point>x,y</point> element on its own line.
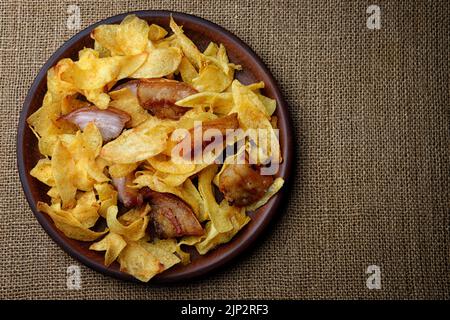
<point>110,130</point>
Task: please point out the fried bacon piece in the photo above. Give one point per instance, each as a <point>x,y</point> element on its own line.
<point>171,216</point>
<point>241,184</point>
<point>110,122</point>
<point>130,197</point>
<point>158,96</point>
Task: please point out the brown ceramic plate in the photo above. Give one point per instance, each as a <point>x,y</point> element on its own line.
<point>201,32</point>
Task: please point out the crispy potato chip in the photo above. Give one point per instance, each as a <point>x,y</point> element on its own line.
<point>159,63</point>
<point>102,51</point>
<point>139,262</point>
<point>187,71</point>
<point>190,50</point>
<point>156,32</point>
<point>86,210</point>
<point>252,115</point>
<point>132,35</point>
<point>162,252</point>
<point>214,237</point>
<point>273,189</point>
<point>219,218</point>
<point>126,101</point>
<point>68,225</point>
<point>168,166</point>
<point>133,232</point>
<point>137,144</point>
<point>211,50</point>
<point>128,38</point>
<point>137,213</point>
<point>63,170</point>
<point>195,200</point>
<point>113,244</point>
<point>43,172</point>
<point>119,170</point>
<point>107,197</point>
<point>211,78</point>
<point>220,103</point>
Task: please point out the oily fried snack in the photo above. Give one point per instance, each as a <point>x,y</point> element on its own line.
<point>108,134</point>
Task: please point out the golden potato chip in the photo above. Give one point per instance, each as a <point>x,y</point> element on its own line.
<point>63,170</point>
<point>190,50</point>
<point>128,38</point>
<point>156,32</point>
<point>43,172</point>
<point>132,215</point>
<point>162,252</point>
<point>219,218</point>
<point>126,101</point>
<point>140,263</point>
<point>68,225</point>
<point>137,144</point>
<point>187,70</point>
<point>119,170</point>
<point>134,231</point>
<point>107,196</point>
<point>159,63</point>
<point>220,103</point>
<point>132,35</point>
<point>273,189</point>
<point>252,115</point>
<point>214,237</point>
<point>168,166</point>
<point>211,50</point>
<point>113,244</point>
<point>86,209</point>
<point>102,51</point>
<point>211,78</point>
<point>195,200</point>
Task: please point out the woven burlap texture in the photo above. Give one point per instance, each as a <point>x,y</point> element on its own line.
<point>370,110</point>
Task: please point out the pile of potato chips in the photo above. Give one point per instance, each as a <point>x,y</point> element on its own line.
<point>78,165</point>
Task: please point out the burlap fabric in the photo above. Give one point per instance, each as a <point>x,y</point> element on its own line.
<point>370,110</point>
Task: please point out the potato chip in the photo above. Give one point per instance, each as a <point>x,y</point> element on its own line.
<point>107,197</point>
<point>140,263</point>
<point>159,63</point>
<point>190,50</point>
<point>134,231</point>
<point>213,237</point>
<point>137,144</point>
<point>113,244</point>
<point>63,170</point>
<point>252,115</point>
<point>187,71</point>
<point>168,166</point>
<point>162,252</point>
<point>219,218</point>
<point>68,225</point>
<point>273,189</point>
<point>137,213</point>
<point>211,50</point>
<point>126,101</point>
<point>86,209</point>
<point>211,78</point>
<point>220,103</point>
<point>156,32</point>
<point>128,38</point>
<point>195,200</point>
<point>43,172</point>
<point>132,35</point>
<point>120,170</point>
